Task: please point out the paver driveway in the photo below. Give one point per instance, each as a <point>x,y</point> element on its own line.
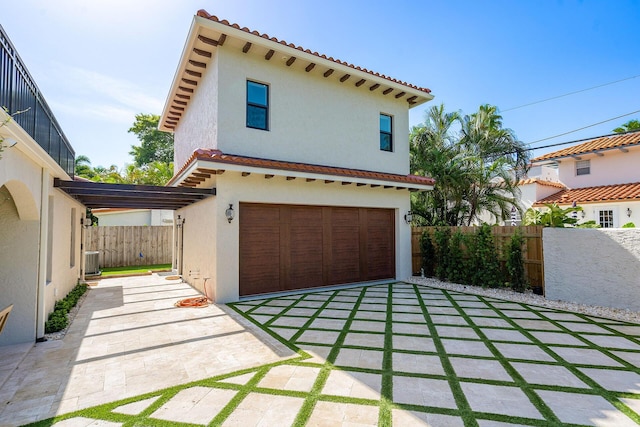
<point>410,355</point>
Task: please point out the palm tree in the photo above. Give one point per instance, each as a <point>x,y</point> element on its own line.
<point>628,127</point>
<point>476,169</point>
<point>83,167</point>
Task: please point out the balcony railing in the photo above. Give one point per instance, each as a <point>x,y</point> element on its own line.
<point>18,92</point>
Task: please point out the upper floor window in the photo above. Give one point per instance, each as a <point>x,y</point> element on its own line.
<point>257,105</point>
<point>605,218</point>
<point>386,133</point>
<point>583,167</point>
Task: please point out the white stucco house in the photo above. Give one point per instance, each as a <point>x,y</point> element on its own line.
<point>601,175</point>
<point>40,226</point>
<point>125,216</point>
<point>309,159</point>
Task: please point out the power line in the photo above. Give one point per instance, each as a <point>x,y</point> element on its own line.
<point>557,144</point>
<point>584,127</point>
<point>567,94</point>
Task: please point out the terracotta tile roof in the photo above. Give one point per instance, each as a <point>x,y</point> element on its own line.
<point>218,156</point>
<point>204,14</point>
<point>604,193</point>
<point>541,182</point>
<point>602,143</point>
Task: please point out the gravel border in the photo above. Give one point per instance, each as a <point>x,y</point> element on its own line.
<point>533,299</point>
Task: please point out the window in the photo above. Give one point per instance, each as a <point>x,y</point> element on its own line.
<point>257,105</point>
<point>605,219</point>
<point>386,135</point>
<point>583,167</point>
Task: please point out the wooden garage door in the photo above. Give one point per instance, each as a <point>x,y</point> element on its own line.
<point>286,247</point>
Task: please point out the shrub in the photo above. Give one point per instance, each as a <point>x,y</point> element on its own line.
<point>428,254</point>
<point>629,225</point>
<point>442,236</point>
<point>486,267</point>
<point>58,320</point>
<point>457,268</point>
<point>515,263</point>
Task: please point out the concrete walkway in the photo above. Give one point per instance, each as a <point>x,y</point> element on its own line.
<point>129,339</point>
<point>392,354</point>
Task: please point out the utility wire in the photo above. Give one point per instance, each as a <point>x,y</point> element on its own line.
<point>584,127</point>
<point>567,94</point>
<point>557,144</point>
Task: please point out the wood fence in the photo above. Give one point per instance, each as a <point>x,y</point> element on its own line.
<point>534,267</point>
<point>123,245</point>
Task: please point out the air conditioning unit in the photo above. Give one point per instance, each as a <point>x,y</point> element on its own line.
<point>91,260</point>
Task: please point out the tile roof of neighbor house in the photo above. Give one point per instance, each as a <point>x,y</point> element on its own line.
<point>604,193</point>
<point>204,14</point>
<point>541,182</point>
<point>218,156</point>
<point>607,142</point>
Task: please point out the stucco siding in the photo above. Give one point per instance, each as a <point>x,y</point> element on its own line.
<point>64,275</point>
<point>198,127</point>
<point>311,119</point>
<point>593,266</point>
<point>613,167</point>
<point>18,281</point>
<point>199,245</point>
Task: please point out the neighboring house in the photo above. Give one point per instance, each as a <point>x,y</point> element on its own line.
<point>600,175</point>
<point>123,216</point>
<point>309,159</point>
<point>40,226</point>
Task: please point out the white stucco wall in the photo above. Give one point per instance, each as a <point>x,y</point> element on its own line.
<point>593,266</point>
<point>613,167</point>
<point>311,119</point>
<point>620,218</point>
<point>198,127</point>
<point>26,225</point>
<point>18,277</point>
<point>199,245</point>
<point>212,244</point>
<point>64,276</point>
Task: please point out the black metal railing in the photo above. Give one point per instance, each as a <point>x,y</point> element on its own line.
<point>18,92</point>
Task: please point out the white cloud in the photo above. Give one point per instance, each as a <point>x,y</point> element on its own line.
<point>93,83</point>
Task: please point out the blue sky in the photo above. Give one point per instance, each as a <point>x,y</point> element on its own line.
<point>100,62</point>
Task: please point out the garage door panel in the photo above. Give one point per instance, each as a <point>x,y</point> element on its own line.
<point>259,250</point>
<point>345,254</point>
<point>306,248</point>
<point>380,244</point>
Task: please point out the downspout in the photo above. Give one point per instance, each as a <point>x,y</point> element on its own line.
<point>42,257</point>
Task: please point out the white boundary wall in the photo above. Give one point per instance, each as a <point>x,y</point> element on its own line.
<point>593,266</point>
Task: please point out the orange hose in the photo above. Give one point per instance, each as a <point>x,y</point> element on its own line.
<point>196,302</point>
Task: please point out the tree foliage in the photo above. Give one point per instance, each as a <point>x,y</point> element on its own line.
<point>476,167</point>
<point>154,173</point>
<point>552,216</point>
<point>155,145</point>
<point>628,126</point>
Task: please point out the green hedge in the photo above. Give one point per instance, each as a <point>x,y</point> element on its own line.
<point>58,319</point>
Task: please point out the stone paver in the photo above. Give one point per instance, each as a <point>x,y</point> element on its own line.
<point>128,339</point>
<point>446,359</point>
